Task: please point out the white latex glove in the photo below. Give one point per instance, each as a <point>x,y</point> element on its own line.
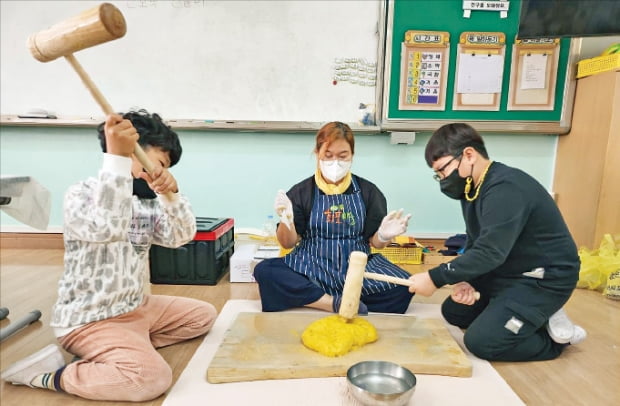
<point>284,208</point>
<point>392,225</point>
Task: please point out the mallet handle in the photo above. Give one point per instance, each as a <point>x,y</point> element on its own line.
<point>90,85</point>
<point>107,109</point>
<point>397,281</point>
<point>19,324</point>
<point>387,278</point>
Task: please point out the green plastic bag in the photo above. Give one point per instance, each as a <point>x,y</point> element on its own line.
<point>598,265</point>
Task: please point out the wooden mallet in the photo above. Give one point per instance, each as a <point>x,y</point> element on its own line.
<point>354,280</point>
<point>91,27</point>
<point>353,285</point>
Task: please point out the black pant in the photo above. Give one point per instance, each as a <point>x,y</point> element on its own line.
<point>509,321</point>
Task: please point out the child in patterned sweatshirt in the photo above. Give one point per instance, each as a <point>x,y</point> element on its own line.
<point>102,314</point>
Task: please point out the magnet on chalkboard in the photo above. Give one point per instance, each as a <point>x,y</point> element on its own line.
<point>335,82</point>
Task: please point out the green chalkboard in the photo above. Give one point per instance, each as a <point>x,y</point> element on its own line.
<point>447,15</point>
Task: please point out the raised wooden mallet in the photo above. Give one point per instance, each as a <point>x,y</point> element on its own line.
<point>91,27</point>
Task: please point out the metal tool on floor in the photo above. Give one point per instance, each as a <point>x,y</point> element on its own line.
<point>19,324</point>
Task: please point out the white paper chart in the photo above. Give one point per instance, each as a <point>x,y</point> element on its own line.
<point>479,73</point>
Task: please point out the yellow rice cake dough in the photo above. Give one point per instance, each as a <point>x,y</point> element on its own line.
<point>333,336</point>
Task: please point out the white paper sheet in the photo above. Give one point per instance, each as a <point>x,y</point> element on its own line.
<point>533,72</point>
<point>480,73</point>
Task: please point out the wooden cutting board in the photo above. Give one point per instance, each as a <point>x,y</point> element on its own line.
<point>260,346</point>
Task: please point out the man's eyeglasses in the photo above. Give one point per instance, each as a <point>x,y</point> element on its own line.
<point>439,172</point>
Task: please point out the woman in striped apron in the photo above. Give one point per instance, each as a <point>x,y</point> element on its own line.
<point>326,217</point>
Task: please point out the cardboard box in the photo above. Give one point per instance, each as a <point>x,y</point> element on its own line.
<point>242,263</point>
<point>246,257</point>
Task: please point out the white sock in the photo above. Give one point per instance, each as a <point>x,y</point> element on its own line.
<point>45,381</point>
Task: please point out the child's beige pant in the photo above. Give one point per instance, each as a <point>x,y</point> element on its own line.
<point>118,357</point>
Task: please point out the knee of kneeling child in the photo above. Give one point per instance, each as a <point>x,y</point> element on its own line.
<point>210,314</point>
<point>153,383</point>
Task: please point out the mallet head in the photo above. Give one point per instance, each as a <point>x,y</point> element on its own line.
<point>91,27</point>
<point>353,285</point>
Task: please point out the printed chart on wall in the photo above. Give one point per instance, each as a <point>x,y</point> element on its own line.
<point>533,74</point>
<point>424,71</point>
<point>479,71</point>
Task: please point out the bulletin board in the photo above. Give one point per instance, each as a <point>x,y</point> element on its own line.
<point>204,62</point>
<point>535,63</point>
<point>424,66</point>
<point>480,66</point>
<point>448,15</point>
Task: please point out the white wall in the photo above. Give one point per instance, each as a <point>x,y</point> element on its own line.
<point>237,174</point>
<point>593,46</point>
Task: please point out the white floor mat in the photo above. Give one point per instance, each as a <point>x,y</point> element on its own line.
<point>485,387</point>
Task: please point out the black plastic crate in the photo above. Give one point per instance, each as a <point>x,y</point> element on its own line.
<point>202,261</point>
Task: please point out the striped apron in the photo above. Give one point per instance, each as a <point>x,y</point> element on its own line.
<point>335,230</point>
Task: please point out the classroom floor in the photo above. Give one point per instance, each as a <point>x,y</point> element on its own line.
<point>587,374</point>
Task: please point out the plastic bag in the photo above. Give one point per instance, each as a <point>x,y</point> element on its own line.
<point>597,266</point>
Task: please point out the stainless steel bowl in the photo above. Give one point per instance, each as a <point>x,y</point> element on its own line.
<point>380,383</point>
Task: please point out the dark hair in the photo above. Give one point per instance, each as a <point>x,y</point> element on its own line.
<point>333,131</point>
<point>452,139</point>
<point>153,133</point>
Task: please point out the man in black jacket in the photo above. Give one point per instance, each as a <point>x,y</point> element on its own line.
<point>519,255</point>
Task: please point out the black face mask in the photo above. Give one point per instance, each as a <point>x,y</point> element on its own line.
<point>453,185</point>
<point>142,189</point>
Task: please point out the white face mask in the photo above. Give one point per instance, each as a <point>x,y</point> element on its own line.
<point>334,171</point>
